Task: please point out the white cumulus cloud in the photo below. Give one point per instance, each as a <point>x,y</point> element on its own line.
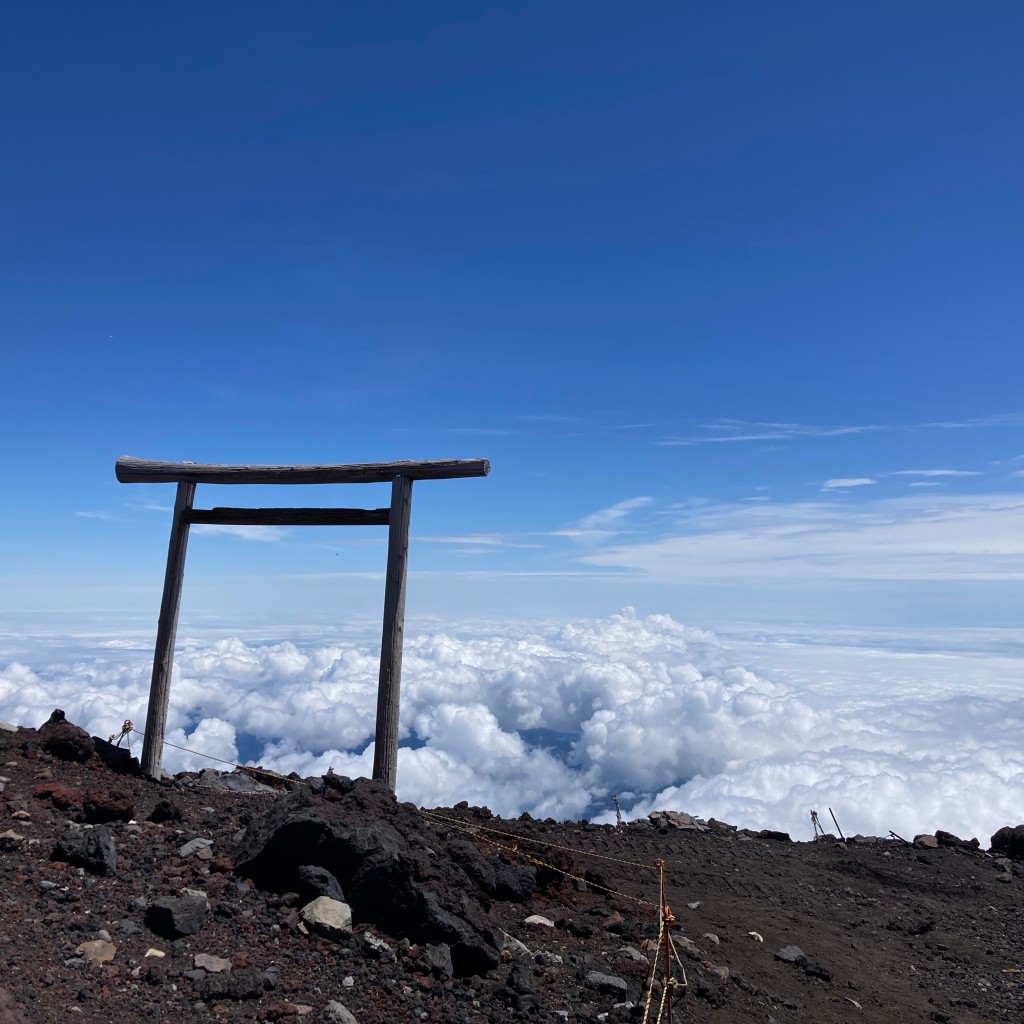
<point>907,733</point>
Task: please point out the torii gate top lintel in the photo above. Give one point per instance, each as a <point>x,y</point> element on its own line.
<point>147,471</point>
<point>188,474</point>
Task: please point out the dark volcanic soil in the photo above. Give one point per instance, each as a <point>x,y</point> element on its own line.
<point>887,931</point>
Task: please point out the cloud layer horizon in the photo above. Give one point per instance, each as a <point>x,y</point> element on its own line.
<point>557,718</point>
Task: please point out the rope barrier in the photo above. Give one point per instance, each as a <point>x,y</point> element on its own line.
<point>540,842</point>
<point>514,849</point>
<point>665,946</point>
<point>247,769</point>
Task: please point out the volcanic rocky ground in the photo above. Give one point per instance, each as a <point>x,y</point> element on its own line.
<point>216,897</point>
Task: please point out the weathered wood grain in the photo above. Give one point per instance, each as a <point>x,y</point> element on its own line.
<point>144,471</point>
<point>385,751</point>
<point>166,632</point>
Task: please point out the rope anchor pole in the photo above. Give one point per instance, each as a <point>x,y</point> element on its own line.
<point>125,734</point>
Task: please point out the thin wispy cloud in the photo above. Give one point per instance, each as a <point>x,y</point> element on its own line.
<point>607,517</point>
<point>545,418</point>
<point>265,534</point>
<point>730,431</point>
<point>604,523</point>
<point>1007,419</point>
<point>934,472</point>
<point>843,483</point>
<point>148,506</point>
<point>96,515</point>
<point>477,540</point>
<point>482,431</point>
<point>920,537</point>
<point>736,431</point>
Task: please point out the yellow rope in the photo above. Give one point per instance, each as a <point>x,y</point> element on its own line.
<point>654,971</point>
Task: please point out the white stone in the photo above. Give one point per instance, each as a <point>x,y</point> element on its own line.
<point>211,964</point>
<point>97,951</point>
<point>538,921</point>
<point>328,917</point>
<point>379,949</point>
<point>513,945</point>
<point>337,1012</point>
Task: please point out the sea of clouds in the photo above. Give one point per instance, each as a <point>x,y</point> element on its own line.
<point>892,731</point>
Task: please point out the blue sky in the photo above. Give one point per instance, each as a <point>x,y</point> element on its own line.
<point>728,294</point>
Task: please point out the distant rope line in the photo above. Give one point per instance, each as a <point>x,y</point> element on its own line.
<point>514,849</point>
<point>468,828</point>
<point>540,842</point>
<point>247,769</point>
<point>665,915</point>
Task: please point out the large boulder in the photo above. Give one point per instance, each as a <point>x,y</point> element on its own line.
<point>103,805</point>
<point>376,850</point>
<point>176,916</point>
<point>92,849</point>
<point>65,741</point>
<point>1009,842</point>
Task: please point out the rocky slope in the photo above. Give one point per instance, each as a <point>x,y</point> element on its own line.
<point>217,897</point>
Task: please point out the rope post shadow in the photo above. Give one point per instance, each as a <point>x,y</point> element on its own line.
<point>188,474</point>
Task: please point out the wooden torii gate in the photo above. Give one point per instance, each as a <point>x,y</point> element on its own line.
<point>187,474</point>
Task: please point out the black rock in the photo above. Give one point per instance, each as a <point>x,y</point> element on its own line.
<point>1009,842</point>
<point>703,989</point>
<point>608,984</point>
<point>948,839</point>
<point>174,916</point>
<point>64,740</point>
<point>316,881</point>
<point>514,883</point>
<point>165,811</point>
<point>439,956</point>
<point>339,783</point>
<point>387,881</point>
<point>245,983</point>
<point>798,958</point>
<point>117,759</point>
<point>92,849</point>
<point>479,868</point>
<point>520,980</point>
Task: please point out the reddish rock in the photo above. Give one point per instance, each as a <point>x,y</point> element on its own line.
<point>102,805</point>
<point>220,863</point>
<point>278,1009</point>
<point>65,797</point>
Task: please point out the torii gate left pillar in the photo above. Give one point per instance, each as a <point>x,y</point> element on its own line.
<point>188,474</point>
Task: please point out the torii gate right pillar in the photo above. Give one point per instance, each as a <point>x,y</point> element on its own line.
<point>385,751</point>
